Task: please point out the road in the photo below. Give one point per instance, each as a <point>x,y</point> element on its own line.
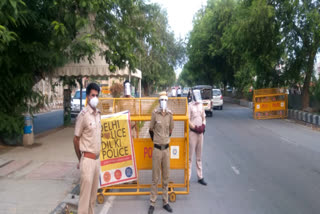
<point>251,166</point>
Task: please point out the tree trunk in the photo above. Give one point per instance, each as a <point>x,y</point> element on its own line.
<point>67,105</point>
<point>305,92</point>
<point>307,80</point>
<point>146,89</point>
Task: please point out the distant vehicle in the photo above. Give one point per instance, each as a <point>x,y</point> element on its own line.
<point>185,90</point>
<point>217,99</point>
<point>75,102</point>
<point>229,89</point>
<point>206,95</point>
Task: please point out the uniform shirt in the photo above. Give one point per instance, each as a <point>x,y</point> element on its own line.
<point>197,114</point>
<point>88,128</point>
<point>161,126</point>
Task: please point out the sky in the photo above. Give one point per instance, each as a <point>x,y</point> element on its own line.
<point>180,15</point>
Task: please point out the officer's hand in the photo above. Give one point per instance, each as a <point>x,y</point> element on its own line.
<point>197,129</point>
<point>151,134</point>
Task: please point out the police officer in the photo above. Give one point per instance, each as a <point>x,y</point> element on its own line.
<point>87,143</point>
<point>197,124</point>
<point>161,127</point>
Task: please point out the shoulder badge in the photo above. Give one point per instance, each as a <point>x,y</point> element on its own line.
<point>84,111</point>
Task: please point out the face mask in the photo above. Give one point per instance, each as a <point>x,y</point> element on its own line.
<point>163,105</point>
<point>197,96</point>
<point>127,90</point>
<point>94,102</point>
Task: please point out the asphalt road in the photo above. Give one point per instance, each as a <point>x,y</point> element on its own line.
<point>251,166</point>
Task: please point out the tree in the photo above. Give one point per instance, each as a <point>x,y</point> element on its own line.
<point>208,57</point>
<point>160,52</point>
<point>240,40</point>
<point>300,24</point>
<point>255,37</point>
<point>38,36</point>
<point>233,41</point>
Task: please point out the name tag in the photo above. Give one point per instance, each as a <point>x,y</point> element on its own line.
<point>158,121</point>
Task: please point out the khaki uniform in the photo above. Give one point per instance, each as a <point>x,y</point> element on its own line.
<point>196,117</point>
<point>88,128</point>
<point>161,126</point>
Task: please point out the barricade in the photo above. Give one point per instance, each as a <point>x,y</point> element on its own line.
<point>270,103</point>
<point>140,113</point>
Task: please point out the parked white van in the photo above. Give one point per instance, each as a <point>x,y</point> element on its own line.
<point>75,102</point>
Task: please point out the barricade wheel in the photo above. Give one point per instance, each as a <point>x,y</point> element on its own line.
<point>100,198</point>
<point>172,197</point>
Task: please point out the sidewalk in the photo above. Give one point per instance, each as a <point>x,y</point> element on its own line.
<point>36,179</point>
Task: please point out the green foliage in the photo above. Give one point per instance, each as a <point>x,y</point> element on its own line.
<point>160,52</point>
<point>38,36</point>
<point>300,24</point>
<point>209,60</point>
<point>255,37</point>
<point>242,43</point>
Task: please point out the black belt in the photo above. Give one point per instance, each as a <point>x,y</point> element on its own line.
<point>193,130</point>
<point>161,147</point>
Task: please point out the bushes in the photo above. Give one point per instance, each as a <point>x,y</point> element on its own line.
<point>116,90</point>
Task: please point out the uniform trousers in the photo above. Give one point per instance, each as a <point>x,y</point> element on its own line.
<point>196,144</point>
<point>160,162</point>
<point>89,182</point>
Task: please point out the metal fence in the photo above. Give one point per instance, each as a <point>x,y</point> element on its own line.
<point>140,113</point>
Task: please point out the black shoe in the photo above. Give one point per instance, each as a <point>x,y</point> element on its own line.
<point>151,209</point>
<point>168,208</point>
<point>201,181</point>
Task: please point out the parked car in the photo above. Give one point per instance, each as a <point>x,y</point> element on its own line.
<point>75,102</point>
<point>217,99</point>
<point>206,95</point>
<point>185,90</point>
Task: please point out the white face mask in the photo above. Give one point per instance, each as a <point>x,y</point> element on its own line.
<point>197,96</point>
<point>163,105</point>
<point>127,90</point>
<point>94,102</point>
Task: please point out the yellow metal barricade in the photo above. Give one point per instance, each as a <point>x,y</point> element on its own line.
<point>140,114</point>
<point>270,103</point>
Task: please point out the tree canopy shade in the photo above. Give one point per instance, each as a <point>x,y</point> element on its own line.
<point>242,43</point>
<point>38,36</point>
